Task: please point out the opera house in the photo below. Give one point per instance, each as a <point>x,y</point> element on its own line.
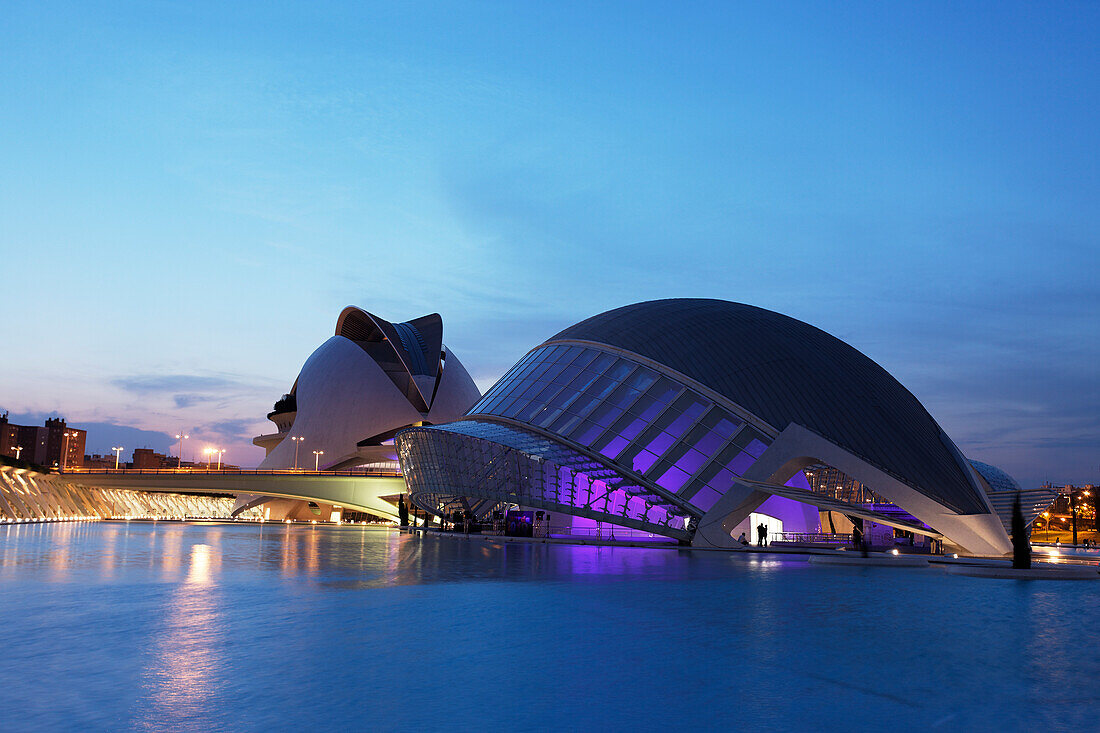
<point>695,420</point>
<point>354,393</point>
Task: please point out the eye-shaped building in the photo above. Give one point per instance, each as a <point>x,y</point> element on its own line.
<point>690,419</point>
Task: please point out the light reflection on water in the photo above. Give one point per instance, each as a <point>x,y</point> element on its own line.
<point>248,627</point>
<point>181,682</point>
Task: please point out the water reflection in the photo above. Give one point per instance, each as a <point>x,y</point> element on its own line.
<point>182,679</point>
<point>222,626</point>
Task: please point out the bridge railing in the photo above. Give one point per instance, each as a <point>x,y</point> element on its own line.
<point>388,473</point>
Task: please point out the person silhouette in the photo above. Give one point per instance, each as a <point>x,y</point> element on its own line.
<point>761,535</point>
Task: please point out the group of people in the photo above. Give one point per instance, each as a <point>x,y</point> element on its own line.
<point>761,536</point>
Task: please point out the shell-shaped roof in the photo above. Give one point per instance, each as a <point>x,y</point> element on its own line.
<point>783,370</point>
<point>415,344</point>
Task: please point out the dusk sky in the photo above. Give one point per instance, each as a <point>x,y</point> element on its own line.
<point>190,193</point>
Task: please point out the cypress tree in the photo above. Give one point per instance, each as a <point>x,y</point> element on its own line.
<point>1021,543</point>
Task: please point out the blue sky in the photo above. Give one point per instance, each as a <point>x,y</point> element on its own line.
<point>190,193</point>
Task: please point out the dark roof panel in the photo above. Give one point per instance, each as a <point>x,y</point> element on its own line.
<point>784,370</point>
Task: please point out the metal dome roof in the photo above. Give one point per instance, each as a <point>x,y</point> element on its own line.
<point>997,479</point>
<point>784,371</point>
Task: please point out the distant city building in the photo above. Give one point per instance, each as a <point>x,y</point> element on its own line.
<point>52,444</point>
<point>147,458</point>
<point>108,461</point>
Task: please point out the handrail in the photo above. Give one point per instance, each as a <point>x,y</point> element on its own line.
<point>226,472</point>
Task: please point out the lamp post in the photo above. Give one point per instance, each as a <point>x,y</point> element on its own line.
<point>219,451</point>
<point>297,442</point>
<point>181,437</point>
<point>118,452</point>
<point>317,459</point>
<point>18,451</point>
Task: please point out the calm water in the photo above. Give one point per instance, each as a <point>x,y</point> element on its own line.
<point>232,627</point>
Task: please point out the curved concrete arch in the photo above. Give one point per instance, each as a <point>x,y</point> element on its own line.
<point>798,447</point>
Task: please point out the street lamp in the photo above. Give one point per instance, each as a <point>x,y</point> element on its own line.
<point>317,458</point>
<point>118,452</point>
<point>18,451</point>
<point>181,437</point>
<point>219,451</point>
<point>297,442</point>
<point>206,452</point>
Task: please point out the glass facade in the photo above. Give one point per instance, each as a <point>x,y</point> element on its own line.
<point>478,465</point>
<point>670,443</point>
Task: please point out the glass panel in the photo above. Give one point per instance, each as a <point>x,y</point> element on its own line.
<point>565,423</point>
<point>709,473</point>
<point>484,405</point>
<point>652,411</point>
<point>745,437</point>
<point>673,454</point>
<point>547,393</point>
<point>709,444</point>
<point>624,397</point>
<point>570,354</point>
<point>756,447</point>
<point>553,352</point>
<point>587,432</point>
<point>531,390</point>
<point>728,454</point>
<point>586,357</point>
<point>544,371</point>
<point>529,411</point>
<point>628,426</point>
<point>584,381</point>
<point>641,379</point>
<point>665,390</point>
<point>672,479</point>
<point>661,443</point>
<point>614,447</point>
<point>605,414</point>
<point>582,405</point>
<point>691,462</point>
<point>602,363</point>
<point>621,369</point>
<point>562,398</point>
<point>741,463</point>
<point>643,461</point>
<point>705,498</point>
<point>666,418</point>
<point>547,416</point>
<point>567,375</point>
<point>601,387</point>
<point>680,424</point>
<point>640,405</point>
<point>504,405</point>
<point>684,402</point>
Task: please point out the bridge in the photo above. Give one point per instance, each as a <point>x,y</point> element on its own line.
<point>360,491</point>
